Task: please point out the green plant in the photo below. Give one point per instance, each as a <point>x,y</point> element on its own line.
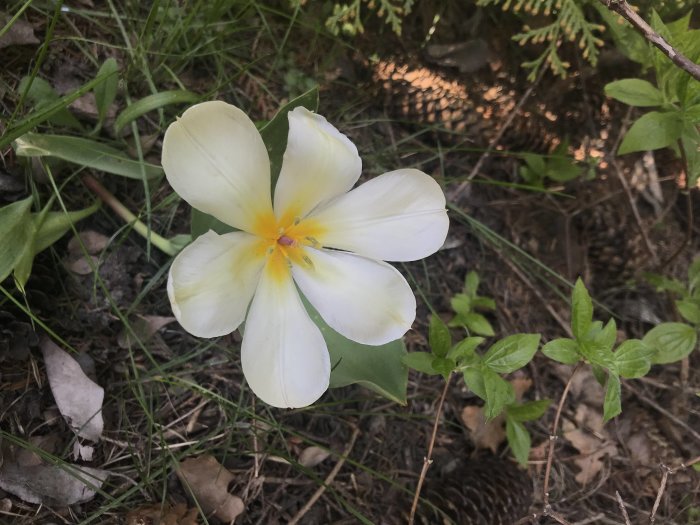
<point>675,123</point>
<point>348,17</point>
<point>566,21</point>
<point>558,167</point>
<point>467,306</point>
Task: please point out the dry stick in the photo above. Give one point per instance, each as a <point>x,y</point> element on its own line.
<point>428,459</point>
<point>662,487</point>
<point>475,170</point>
<point>622,8</point>
<point>622,508</point>
<point>552,439</point>
<point>326,483</point>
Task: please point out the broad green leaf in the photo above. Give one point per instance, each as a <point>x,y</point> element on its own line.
<point>379,368</point>
<point>15,234</point>
<point>596,354</point>
<point>439,336</point>
<point>45,113</point>
<point>465,350</point>
<point>477,324</point>
<point>662,283</point>
<point>612,405</point>
<point>535,163</point>
<point>474,379</point>
<point>528,411</point>
<point>499,393</point>
<point>670,341</point>
<point>461,303</point>
<point>689,310</point>
<point>471,284</point>
<point>511,353</point>
<point>275,132</point>
<point>201,223</point>
<point>106,92</point>
<point>443,365</point>
<point>152,102</point>
<point>581,310</point>
<point>633,359</point>
<point>563,351</point>
<point>627,40</point>
<point>84,152</point>
<point>654,130</point>
<point>599,373</point>
<point>42,95</point>
<point>635,92</point>
<point>421,361</point>
<point>694,274</point>
<point>54,225</point>
<point>605,339</point>
<point>518,440</point>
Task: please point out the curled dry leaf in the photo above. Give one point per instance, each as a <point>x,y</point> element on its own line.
<point>591,440</point>
<point>20,33</point>
<point>207,481</point>
<point>485,434</point>
<point>78,398</point>
<point>312,456</point>
<point>94,243</point>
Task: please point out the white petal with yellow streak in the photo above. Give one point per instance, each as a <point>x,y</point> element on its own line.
<point>319,164</point>
<point>215,159</point>
<point>398,216</point>
<point>284,356</point>
<point>212,281</point>
<point>364,300</point>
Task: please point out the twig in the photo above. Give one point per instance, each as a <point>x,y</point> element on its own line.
<point>622,8</point>
<point>475,170</point>
<point>622,508</point>
<point>552,440</point>
<point>667,472</point>
<point>326,483</point>
<point>428,459</point>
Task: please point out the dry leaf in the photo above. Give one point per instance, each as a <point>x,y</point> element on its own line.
<point>143,328</point>
<point>584,387</point>
<point>78,398</point>
<point>94,243</point>
<point>50,484</point>
<point>84,452</point>
<point>20,33</point>
<point>593,448</point>
<point>207,481</point>
<point>83,266</point>
<point>163,515</point>
<point>485,434</point>
<point>312,456</point>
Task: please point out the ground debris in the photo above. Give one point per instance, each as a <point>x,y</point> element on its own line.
<point>166,514</point>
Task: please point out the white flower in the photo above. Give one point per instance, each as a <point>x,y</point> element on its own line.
<point>319,235</point>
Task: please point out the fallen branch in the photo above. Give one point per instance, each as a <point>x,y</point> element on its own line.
<point>622,8</point>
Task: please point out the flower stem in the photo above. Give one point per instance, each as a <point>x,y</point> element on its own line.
<point>163,244</point>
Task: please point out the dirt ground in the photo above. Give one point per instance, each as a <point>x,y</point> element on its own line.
<point>185,397</point>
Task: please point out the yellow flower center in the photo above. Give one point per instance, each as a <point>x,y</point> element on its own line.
<point>283,241</point>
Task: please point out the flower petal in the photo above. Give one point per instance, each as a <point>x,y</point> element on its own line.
<point>319,164</point>
<point>215,159</point>
<point>284,356</point>
<point>212,281</point>
<point>398,216</point>
<point>364,300</point>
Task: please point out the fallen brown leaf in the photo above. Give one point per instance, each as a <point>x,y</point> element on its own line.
<point>163,515</point>
<point>19,33</point>
<point>312,456</point>
<point>207,481</point>
<point>94,243</point>
<point>485,434</point>
<point>593,444</point>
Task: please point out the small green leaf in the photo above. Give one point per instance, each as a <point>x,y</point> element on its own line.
<point>689,310</point>
<point>16,229</point>
<point>84,152</point>
<point>461,303</point>
<point>477,324</point>
<point>42,95</point>
<point>612,406</point>
<point>439,336</point>
<point>694,274</point>
<point>528,411</point>
<point>443,365</point>
<point>654,130</point>
<point>106,92</point>
<point>518,440</point>
<point>54,225</point>
<point>379,368</point>
<point>562,350</point>
<point>599,373</point>
<point>499,393</point>
<point>152,102</point>
<point>635,92</point>
<point>511,353</point>
<point>662,283</point>
<point>581,310</point>
<point>596,354</point>
<point>670,341</point>
<point>605,339</point>
<point>471,284</point>
<point>474,379</point>
<point>275,132</point>
<point>465,350</point>
<point>483,303</point>
<point>633,359</point>
<point>421,361</point>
